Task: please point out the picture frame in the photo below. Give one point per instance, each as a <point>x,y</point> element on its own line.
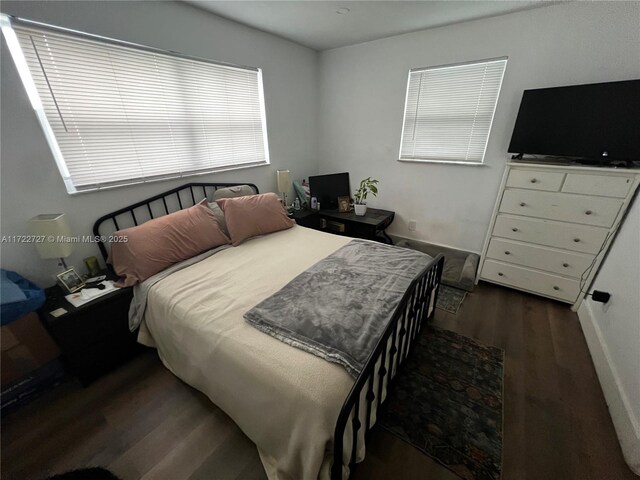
<point>70,281</point>
<point>344,204</point>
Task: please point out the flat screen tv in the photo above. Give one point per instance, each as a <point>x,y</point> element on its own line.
<point>327,189</point>
<point>598,122</point>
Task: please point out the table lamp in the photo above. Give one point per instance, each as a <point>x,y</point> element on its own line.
<point>54,231</point>
<point>284,184</point>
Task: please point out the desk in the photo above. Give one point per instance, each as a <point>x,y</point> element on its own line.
<point>371,226</point>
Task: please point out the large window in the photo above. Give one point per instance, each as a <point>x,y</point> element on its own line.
<point>116,113</point>
<point>449,111</point>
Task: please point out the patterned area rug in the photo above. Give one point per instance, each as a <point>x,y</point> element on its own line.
<point>450,299</point>
<point>447,402</point>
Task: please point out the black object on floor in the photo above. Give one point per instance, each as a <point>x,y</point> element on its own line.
<point>447,402</point>
<point>93,473</point>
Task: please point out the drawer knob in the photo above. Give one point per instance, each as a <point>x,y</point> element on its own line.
<point>507,252</point>
<point>576,240</point>
<point>556,288</point>
<point>533,180</point>
<point>514,229</point>
<point>565,265</point>
<point>522,204</point>
<point>500,274</point>
<point>588,212</point>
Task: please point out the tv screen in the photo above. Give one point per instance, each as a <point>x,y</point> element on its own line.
<point>597,121</point>
<point>327,189</point>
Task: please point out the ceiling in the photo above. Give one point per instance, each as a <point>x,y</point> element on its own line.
<point>318,25</point>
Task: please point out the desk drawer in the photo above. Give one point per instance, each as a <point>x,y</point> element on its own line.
<point>597,211</point>
<point>568,236</point>
<point>603,185</point>
<point>565,289</point>
<point>535,179</point>
<point>542,258</point>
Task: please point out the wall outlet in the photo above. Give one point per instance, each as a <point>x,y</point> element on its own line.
<point>412,225</point>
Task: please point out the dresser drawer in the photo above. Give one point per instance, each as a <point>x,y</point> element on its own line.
<point>535,179</point>
<point>568,236</point>
<point>542,258</point>
<point>602,185</point>
<point>597,211</point>
<point>532,280</point>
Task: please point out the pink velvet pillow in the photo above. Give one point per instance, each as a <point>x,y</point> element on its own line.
<point>159,243</point>
<point>254,215</point>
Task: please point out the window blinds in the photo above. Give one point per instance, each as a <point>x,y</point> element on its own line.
<point>449,111</point>
<point>122,114</point>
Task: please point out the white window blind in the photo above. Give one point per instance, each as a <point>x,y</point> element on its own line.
<point>122,114</point>
<point>449,111</point>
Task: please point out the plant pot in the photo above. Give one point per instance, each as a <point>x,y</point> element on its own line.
<point>360,208</point>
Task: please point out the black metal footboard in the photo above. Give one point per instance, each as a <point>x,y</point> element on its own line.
<point>415,308</point>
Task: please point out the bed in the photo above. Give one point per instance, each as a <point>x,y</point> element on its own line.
<point>307,416</point>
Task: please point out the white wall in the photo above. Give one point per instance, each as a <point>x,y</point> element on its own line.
<point>30,183</point>
<point>362,91</point>
<point>612,331</point>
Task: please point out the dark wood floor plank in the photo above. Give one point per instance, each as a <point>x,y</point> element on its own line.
<point>142,422</point>
<point>545,414</point>
<point>160,442</point>
<point>186,456</point>
<point>44,417</point>
<point>54,449</point>
<point>229,460</point>
<point>510,336</point>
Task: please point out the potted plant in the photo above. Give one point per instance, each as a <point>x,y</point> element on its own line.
<point>367,186</point>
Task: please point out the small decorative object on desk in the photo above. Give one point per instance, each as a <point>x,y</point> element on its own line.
<point>93,267</point>
<point>344,204</point>
<point>70,281</point>
<point>367,186</point>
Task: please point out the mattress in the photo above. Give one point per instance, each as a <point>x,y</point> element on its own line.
<point>284,399</point>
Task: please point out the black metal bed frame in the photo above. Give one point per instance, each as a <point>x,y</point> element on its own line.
<point>414,310</point>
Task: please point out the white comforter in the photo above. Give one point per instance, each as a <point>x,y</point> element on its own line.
<point>284,399</point>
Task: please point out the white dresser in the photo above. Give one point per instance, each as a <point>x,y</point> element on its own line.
<point>552,226</point>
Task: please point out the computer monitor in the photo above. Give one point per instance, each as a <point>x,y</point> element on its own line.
<point>327,189</point>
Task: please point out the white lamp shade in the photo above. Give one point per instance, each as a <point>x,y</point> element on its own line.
<point>53,228</point>
<point>284,181</point>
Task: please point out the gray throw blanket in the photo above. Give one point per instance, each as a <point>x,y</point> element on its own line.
<point>339,308</point>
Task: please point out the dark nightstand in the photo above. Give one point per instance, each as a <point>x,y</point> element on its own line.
<point>95,337</point>
<point>371,226</point>
<point>306,218</point>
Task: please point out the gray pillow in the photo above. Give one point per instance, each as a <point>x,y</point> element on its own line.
<point>219,214</point>
<point>232,192</point>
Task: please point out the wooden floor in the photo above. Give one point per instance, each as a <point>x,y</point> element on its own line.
<point>142,422</point>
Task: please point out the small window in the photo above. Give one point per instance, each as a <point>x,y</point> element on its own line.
<point>449,110</point>
<point>116,113</point>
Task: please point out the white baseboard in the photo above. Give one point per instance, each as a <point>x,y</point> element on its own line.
<point>624,420</point>
<point>419,240</point>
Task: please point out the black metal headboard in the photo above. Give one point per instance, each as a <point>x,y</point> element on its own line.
<point>153,207</point>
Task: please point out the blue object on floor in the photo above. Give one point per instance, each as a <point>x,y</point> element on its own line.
<point>18,296</point>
